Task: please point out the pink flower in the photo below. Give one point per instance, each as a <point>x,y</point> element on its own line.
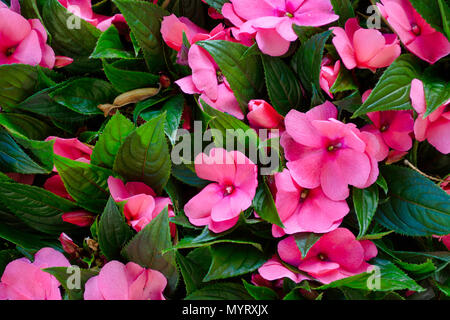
<point>335,256</point>
<point>117,281</point>
<point>83,9</point>
<point>207,79</point>
<point>71,148</point>
<point>263,116</point>
<point>416,34</point>
<point>322,151</point>
<point>67,244</point>
<point>436,127</point>
<point>79,218</point>
<point>445,240</point>
<point>328,75</point>
<point>395,156</point>
<point>365,48</point>
<point>55,185</point>
<point>270,21</point>
<point>446,185</point>
<point>219,204</point>
<point>304,210</point>
<point>142,205</point>
<point>23,41</point>
<point>25,280</point>
<point>172,29</point>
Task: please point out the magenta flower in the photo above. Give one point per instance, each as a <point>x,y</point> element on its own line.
<point>304,210</point>
<point>219,204</point>
<point>79,218</point>
<point>328,75</point>
<point>365,48</point>
<point>262,115</point>
<point>23,41</point>
<point>436,127</point>
<point>25,280</point>
<point>83,9</point>
<point>270,21</point>
<point>337,255</point>
<point>415,33</point>
<point>142,205</point>
<point>117,281</point>
<point>322,151</point>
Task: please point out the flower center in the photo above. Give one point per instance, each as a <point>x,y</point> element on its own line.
<point>10,51</point>
<point>290,15</point>
<point>334,147</point>
<point>415,29</point>
<point>322,257</point>
<point>228,190</point>
<point>220,77</point>
<point>384,128</point>
<point>304,194</point>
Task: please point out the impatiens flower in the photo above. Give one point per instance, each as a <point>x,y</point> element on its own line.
<point>141,203</point>
<point>55,185</point>
<point>262,115</point>
<point>415,33</point>
<point>219,204</point>
<point>79,218</point>
<point>395,156</point>
<point>73,149</point>
<point>365,48</point>
<point>304,210</point>
<point>25,280</point>
<point>67,244</point>
<point>23,41</point>
<point>329,74</point>
<point>83,9</point>
<point>172,29</point>
<point>436,127</point>
<point>270,21</point>
<point>446,185</point>
<point>322,151</point>
<point>117,281</point>
<point>336,255</point>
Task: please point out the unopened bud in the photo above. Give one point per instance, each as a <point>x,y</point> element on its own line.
<point>68,245</point>
<point>263,115</point>
<point>79,218</point>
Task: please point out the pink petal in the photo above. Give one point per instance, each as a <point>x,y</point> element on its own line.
<point>270,42</point>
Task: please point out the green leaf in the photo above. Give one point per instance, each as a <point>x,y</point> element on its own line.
<point>304,32</point>
<point>25,126</point>
<point>146,248</point>
<point>305,241</point>
<point>230,260</point>
<point>86,183</point>
<point>217,4</point>
<point>390,278</point>
<point>393,89</point>
<point>84,95</point>
<point>14,159</point>
<point>436,87</point>
<point>68,276</point>
<point>264,205</point>
<point>127,80</point>
<point>220,291</point>
<point>245,76</point>
<point>308,60</point>
<point>113,232</point>
<point>381,182</point>
<point>344,82</point>
<point>421,268</point>
<point>141,108</point>
<point>190,270</point>
<point>113,136</point>
<point>283,86</point>
<point>38,208</point>
<point>260,293</point>
<point>17,82</point>
<point>445,13</point>
<point>71,36</point>
<point>417,207</point>
<point>344,9</point>
<point>109,46</point>
<point>187,175</point>
<point>144,155</point>
<point>365,202</point>
<point>375,236</point>
<point>144,20</point>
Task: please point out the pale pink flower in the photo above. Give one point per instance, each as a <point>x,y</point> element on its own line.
<point>305,210</point>
<point>365,48</point>
<point>117,281</point>
<point>436,127</point>
<point>142,205</point>
<point>262,115</point>
<point>219,204</point>
<point>23,41</point>
<point>83,9</point>
<point>25,280</point>
<point>322,151</point>
<point>336,255</point>
<point>415,33</point>
<point>270,22</point>
<point>328,75</point>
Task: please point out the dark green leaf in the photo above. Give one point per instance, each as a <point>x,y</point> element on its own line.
<point>220,291</point>
<point>305,241</point>
<point>265,206</point>
<point>17,82</point>
<point>25,126</point>
<point>344,9</point>
<point>260,293</point>
<point>365,202</point>
<point>69,277</point>
<point>109,46</point>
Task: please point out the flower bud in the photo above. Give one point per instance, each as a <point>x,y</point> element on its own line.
<point>263,115</point>
<point>79,218</point>
<point>68,245</point>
